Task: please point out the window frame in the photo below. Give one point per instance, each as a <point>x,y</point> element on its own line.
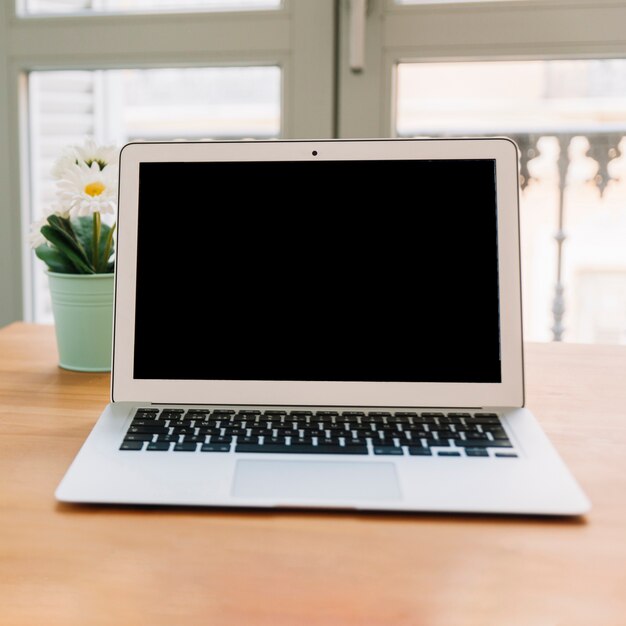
<point>464,31</point>
<point>288,37</point>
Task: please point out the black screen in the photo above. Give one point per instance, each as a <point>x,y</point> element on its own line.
<point>318,270</point>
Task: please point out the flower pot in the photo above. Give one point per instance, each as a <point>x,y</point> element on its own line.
<point>82,305</point>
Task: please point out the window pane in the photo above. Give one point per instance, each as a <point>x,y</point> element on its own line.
<point>117,106</point>
<point>510,96</point>
<point>134,6</point>
<point>569,119</point>
<point>406,2</point>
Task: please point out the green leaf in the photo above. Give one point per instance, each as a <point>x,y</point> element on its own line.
<point>65,230</point>
<point>55,260</point>
<point>82,227</point>
<point>62,224</point>
<point>69,248</point>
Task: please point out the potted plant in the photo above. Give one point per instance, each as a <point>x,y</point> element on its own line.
<point>75,239</point>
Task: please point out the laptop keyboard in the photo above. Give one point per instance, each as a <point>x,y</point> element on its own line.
<point>448,434</point>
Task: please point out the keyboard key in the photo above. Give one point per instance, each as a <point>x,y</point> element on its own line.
<point>347,419</point>
<point>209,430</point>
<point>245,439</point>
<point>476,452</point>
<point>474,435</point>
<point>148,430</point>
<point>448,453</point>
<point>419,451</point>
<point>215,447</point>
<point>331,441</point>
<point>221,439</point>
<point>131,445</point>
<point>278,440</point>
<point>506,455</point>
<point>482,443</point>
<point>437,443</point>
<point>185,447</point>
<point>167,438</point>
<point>497,433</point>
<point>388,450</point>
<point>486,419</point>
<point>138,437</point>
<point>145,422</point>
<point>194,439</point>
<point>299,441</point>
<point>183,429</point>
<point>373,418</point>
<point>158,445</point>
<point>450,420</point>
<point>354,441</point>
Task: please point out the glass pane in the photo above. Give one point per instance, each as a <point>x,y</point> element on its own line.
<point>509,96</point>
<point>569,119</point>
<point>117,106</point>
<point>147,6</point>
<point>406,2</point>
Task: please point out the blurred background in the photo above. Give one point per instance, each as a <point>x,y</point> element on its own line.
<point>551,74</point>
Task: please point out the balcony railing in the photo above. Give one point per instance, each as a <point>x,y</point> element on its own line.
<point>603,148</point>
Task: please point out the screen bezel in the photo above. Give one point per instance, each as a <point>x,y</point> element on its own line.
<point>508,392</point>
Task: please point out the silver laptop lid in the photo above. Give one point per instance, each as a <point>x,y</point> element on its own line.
<point>374,273</point>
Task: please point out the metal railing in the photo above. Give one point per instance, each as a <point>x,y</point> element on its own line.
<point>604,147</point>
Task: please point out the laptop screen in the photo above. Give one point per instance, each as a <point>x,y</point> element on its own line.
<point>318,271</point>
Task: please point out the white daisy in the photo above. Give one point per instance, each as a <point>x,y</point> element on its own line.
<point>86,154</point>
<point>83,190</point>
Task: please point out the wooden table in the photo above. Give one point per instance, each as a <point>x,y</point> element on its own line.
<point>67,565</point>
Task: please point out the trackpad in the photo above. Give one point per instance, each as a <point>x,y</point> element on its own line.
<point>316,480</point>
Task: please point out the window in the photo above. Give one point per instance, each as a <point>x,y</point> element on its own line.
<point>549,73</point>
<point>117,106</point>
<point>162,70</point>
<point>564,114</point>
<point>52,7</point>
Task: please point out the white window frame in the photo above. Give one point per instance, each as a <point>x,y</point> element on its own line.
<point>322,96</point>
<point>464,31</point>
<point>298,37</point>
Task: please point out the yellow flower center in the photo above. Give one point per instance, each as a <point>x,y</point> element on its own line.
<point>94,189</point>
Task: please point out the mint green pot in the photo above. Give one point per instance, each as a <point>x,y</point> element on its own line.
<point>82,305</point>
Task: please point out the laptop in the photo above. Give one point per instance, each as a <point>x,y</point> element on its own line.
<point>324,324</point>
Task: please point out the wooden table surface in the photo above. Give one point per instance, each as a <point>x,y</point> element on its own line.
<point>71,565</point>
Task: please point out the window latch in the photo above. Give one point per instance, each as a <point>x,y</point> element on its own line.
<point>358,15</point>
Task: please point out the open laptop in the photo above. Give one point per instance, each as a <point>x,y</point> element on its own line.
<point>330,324</point>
